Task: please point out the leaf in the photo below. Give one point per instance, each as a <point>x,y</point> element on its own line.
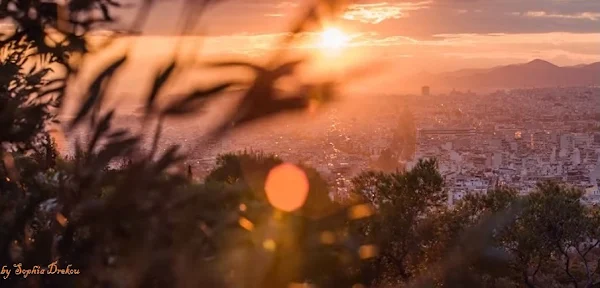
<point>285,68</point>
<point>53,81</point>
<point>37,77</point>
<point>181,110</point>
<point>80,5</point>
<point>114,3</point>
<point>202,94</point>
<point>95,91</point>
<point>254,67</point>
<point>272,108</point>
<point>190,103</point>
<point>159,81</point>
<point>169,158</point>
<point>33,68</point>
<point>105,12</point>
<point>118,134</point>
<point>59,89</point>
<point>112,150</point>
<point>102,127</point>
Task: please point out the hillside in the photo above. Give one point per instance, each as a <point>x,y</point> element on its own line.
<point>537,73</point>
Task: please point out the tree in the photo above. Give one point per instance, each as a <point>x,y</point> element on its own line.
<point>310,245</point>
<point>497,238</point>
<point>243,168</point>
<point>404,202</point>
<point>551,242</point>
<point>556,215</point>
<point>387,161</point>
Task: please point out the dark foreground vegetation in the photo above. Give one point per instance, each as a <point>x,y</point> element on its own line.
<point>143,225</point>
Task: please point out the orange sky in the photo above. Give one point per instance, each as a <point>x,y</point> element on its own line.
<point>408,36</point>
<point>414,35</point>
<point>417,35</point>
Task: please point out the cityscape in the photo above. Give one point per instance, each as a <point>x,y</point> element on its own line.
<point>513,138</point>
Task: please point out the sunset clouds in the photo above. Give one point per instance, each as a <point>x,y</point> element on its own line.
<point>414,18</point>
<point>374,13</point>
<point>433,34</point>
<point>560,47</point>
<point>580,16</point>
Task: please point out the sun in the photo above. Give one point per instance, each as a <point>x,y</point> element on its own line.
<point>333,39</point>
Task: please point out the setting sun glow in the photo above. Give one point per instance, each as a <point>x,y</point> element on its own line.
<point>333,39</point>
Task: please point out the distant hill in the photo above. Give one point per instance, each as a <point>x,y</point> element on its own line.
<point>537,73</point>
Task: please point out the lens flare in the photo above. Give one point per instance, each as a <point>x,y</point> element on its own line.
<point>360,211</point>
<point>286,187</point>
<point>269,245</point>
<point>333,39</point>
<point>246,224</point>
<point>367,251</point>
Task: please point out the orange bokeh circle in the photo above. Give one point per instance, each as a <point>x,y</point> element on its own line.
<point>287,187</point>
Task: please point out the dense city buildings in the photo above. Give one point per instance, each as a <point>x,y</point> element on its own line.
<point>507,138</point>
<point>515,138</point>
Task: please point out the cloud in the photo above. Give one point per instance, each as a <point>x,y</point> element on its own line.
<point>592,16</point>
<point>374,13</point>
<point>414,18</point>
<point>467,40</point>
<point>523,56</point>
<point>527,43</point>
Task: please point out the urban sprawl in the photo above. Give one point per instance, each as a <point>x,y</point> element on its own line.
<point>510,138</point>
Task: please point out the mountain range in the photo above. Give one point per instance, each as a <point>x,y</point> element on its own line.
<point>537,73</point>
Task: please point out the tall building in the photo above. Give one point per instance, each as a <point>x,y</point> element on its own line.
<point>404,139</point>
<point>566,141</point>
<point>576,157</point>
<point>497,160</point>
<point>425,90</point>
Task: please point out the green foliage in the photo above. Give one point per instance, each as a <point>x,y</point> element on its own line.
<point>500,238</point>
<point>405,203</point>
<point>242,167</point>
<point>302,255</point>
<point>550,242</point>
<point>249,170</point>
<point>24,103</point>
